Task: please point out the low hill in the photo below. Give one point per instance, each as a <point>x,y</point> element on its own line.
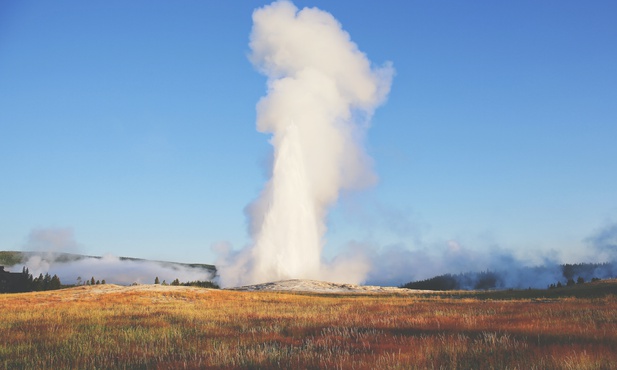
<point>315,286</point>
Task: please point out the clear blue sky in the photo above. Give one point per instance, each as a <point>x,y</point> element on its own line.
<point>132,123</point>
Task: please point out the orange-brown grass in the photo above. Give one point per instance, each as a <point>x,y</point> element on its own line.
<point>179,327</point>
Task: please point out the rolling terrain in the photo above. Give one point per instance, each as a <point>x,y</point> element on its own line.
<point>154,326</point>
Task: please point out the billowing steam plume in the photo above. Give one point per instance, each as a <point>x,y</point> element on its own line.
<point>322,91</point>
<point>52,250</point>
<point>73,268</point>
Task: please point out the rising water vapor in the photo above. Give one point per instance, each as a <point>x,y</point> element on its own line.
<point>321,93</point>
<point>112,269</point>
<point>54,251</point>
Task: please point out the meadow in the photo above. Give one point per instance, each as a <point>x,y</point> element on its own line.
<point>156,327</point>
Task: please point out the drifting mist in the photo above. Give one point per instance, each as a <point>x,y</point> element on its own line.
<point>54,251</point>
<point>112,269</point>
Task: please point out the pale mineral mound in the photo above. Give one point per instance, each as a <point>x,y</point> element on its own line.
<point>315,286</point>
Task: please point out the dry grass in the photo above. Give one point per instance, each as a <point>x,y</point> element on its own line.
<point>103,327</point>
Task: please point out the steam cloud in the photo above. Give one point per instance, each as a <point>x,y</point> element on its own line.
<point>47,253</point>
<point>50,240</point>
<point>109,268</point>
<point>322,92</point>
<point>396,264</point>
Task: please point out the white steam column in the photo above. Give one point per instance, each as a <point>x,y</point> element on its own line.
<point>288,242</point>
<point>321,93</point>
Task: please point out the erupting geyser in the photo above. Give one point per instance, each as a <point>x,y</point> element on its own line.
<point>321,93</point>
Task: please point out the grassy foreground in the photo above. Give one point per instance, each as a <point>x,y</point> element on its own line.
<point>154,327</point>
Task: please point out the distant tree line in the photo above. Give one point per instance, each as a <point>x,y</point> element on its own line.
<point>196,283</point>
<point>572,274</point>
<point>469,280</point>
<point>90,281</point>
<point>202,284</point>
<point>571,282</point>
<point>40,283</point>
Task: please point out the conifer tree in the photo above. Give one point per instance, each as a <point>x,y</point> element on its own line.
<point>55,283</point>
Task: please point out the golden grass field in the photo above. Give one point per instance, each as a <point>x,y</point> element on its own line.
<point>156,327</point>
